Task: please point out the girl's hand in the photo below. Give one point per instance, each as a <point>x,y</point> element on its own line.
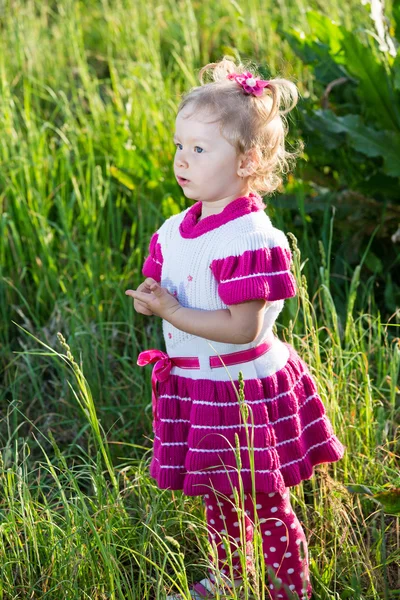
<point>139,306</point>
<point>154,299</point>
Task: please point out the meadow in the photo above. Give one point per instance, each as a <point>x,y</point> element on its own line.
<point>88,96</point>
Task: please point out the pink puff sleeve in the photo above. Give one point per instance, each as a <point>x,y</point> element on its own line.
<point>255,266</point>
<point>153,264</point>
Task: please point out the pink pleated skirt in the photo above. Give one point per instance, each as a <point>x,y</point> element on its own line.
<point>204,439</point>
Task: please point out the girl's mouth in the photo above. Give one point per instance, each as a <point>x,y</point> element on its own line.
<point>182,180</point>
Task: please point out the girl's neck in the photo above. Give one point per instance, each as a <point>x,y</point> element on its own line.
<point>215,208</point>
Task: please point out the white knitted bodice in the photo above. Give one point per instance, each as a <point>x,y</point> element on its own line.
<point>186,273</point>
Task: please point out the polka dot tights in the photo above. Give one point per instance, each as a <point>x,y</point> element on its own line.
<point>284,543</point>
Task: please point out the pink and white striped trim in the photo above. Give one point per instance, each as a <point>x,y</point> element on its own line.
<point>283,465</point>
<point>256,274</point>
<point>190,227</point>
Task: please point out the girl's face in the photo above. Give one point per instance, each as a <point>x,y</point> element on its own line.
<point>205,159</point>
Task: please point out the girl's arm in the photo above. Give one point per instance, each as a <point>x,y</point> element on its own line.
<point>237,324</point>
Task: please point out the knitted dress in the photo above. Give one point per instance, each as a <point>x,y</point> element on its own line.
<point>224,259</point>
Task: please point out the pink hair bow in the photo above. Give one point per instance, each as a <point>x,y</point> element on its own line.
<point>249,83</point>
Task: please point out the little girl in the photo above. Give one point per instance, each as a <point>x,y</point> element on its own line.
<point>218,274</point>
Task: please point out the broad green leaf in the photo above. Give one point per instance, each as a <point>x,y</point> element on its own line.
<point>374,86</point>
<point>390,500</point>
<point>373,263</point>
<point>391,291</point>
<point>365,139</point>
<point>358,488</point>
<point>325,30</point>
<point>315,53</point>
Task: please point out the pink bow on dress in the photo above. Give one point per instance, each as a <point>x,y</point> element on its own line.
<point>161,370</point>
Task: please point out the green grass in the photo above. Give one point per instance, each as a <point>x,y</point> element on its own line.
<point>88,94</point>
<point>101,530</point>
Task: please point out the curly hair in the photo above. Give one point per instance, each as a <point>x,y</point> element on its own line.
<point>248,122</point>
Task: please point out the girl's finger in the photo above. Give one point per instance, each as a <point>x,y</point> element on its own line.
<point>133,294</point>
<point>143,287</point>
<point>143,310</point>
<point>140,295</point>
<point>149,281</point>
<point>142,305</point>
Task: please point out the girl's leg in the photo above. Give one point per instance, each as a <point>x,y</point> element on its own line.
<point>223,520</point>
<point>284,544</point>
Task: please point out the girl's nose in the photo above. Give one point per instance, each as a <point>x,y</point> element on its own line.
<point>181,161</point>
<point>181,158</point>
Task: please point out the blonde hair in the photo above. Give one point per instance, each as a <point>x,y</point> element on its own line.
<point>250,123</point>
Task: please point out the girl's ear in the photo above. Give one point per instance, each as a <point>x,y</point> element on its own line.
<point>248,163</point>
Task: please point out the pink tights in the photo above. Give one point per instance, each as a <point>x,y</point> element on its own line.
<point>281,548</point>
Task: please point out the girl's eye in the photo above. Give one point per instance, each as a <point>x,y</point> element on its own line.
<point>178,144</point>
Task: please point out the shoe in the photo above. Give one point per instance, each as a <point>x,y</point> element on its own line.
<point>199,591</point>
<point>202,590</point>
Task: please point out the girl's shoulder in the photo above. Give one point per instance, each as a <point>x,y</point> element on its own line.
<point>253,231</point>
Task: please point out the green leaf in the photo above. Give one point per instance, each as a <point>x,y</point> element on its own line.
<point>373,263</point>
<point>122,177</point>
<point>391,294</point>
<point>314,53</point>
<point>396,17</point>
<point>317,124</point>
<point>364,139</point>
<point>390,501</point>
<point>374,86</point>
<point>396,70</point>
<point>359,489</point>
<point>335,52</point>
<point>325,30</point>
